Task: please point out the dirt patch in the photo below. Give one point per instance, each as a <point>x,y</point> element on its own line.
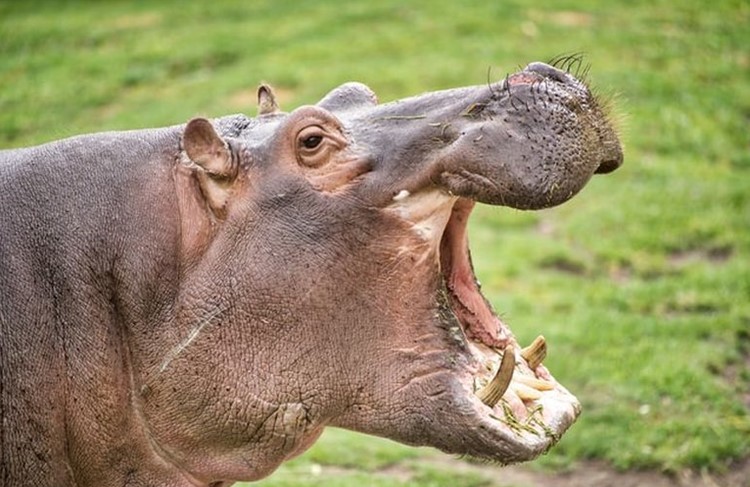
<point>598,474</point>
<point>136,21</point>
<point>546,228</point>
<point>585,474</point>
<point>571,19</point>
<point>714,255</point>
<point>565,265</point>
<point>737,372</point>
<point>564,18</point>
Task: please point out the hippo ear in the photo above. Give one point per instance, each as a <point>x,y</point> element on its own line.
<point>267,100</point>
<point>212,154</point>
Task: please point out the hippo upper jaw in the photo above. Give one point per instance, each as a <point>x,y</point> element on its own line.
<point>532,144</point>
<point>530,141</point>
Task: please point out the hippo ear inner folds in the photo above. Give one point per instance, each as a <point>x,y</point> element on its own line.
<point>267,104</point>
<point>212,154</point>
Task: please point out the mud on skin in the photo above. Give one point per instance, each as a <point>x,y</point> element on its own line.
<point>192,305</point>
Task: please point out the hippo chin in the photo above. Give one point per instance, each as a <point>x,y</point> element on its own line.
<point>193,305</point>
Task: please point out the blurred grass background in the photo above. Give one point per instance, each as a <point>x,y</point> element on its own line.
<point>641,283</point>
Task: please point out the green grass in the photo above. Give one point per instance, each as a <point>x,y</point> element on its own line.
<point>641,283</point>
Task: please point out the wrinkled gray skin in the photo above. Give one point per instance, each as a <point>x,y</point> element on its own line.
<point>192,306</point>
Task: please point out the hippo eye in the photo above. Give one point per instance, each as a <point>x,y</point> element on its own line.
<point>316,144</point>
<point>312,142</point>
<point>310,138</point>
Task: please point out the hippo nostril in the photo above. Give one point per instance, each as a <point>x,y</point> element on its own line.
<point>608,166</point>
<point>611,160</point>
<point>548,72</point>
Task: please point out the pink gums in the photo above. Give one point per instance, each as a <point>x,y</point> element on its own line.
<point>470,307</point>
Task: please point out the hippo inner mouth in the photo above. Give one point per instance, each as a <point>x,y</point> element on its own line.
<point>471,308</point>
<point>508,384</point>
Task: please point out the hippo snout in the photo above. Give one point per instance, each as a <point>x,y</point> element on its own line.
<point>534,143</point>
<point>530,141</point>
<point>611,151</point>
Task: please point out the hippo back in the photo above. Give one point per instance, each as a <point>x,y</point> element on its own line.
<point>67,208</point>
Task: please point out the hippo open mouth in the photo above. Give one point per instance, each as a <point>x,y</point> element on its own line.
<point>530,149</point>
<point>517,392</point>
<point>504,393</point>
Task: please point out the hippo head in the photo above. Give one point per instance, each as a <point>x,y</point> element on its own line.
<point>329,280</point>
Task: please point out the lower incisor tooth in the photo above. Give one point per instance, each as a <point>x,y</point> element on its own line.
<point>525,392</point>
<point>534,383</point>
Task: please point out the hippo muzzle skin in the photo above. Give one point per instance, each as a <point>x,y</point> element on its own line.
<point>193,305</point>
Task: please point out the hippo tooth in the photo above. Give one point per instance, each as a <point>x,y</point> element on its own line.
<point>536,352</point>
<point>534,383</point>
<point>403,194</point>
<point>493,392</point>
<point>525,392</point>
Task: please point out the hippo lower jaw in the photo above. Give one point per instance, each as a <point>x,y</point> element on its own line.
<point>510,389</point>
<point>510,405</point>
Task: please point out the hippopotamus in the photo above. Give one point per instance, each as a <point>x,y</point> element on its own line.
<point>193,305</point>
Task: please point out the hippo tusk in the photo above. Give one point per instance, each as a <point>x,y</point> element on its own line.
<point>535,353</point>
<point>493,392</point>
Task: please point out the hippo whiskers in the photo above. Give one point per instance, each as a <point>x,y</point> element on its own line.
<point>193,305</point>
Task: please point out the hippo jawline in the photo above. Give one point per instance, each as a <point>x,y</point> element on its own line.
<point>509,388</point>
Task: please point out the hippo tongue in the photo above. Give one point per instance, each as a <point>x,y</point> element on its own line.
<point>470,307</point>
